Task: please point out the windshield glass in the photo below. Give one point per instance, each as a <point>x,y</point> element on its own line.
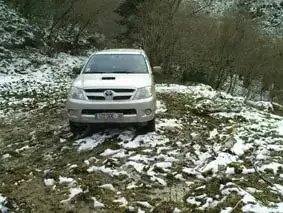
<point>116,63</point>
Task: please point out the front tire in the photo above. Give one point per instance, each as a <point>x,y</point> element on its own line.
<point>76,128</point>
<point>150,127</point>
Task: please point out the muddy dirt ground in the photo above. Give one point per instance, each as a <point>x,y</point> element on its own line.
<point>44,168</point>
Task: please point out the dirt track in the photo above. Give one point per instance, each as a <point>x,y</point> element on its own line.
<point>184,165</point>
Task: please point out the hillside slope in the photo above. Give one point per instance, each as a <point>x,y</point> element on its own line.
<point>268,12</point>
<point>29,78</point>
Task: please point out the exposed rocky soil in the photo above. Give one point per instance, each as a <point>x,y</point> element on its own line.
<point>211,152</point>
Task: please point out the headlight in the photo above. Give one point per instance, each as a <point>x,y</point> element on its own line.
<point>77,93</point>
<point>144,92</point>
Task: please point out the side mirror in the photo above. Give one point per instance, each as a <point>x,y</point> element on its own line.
<point>77,69</point>
<point>157,69</point>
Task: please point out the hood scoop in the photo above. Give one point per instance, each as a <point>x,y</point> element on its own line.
<point>108,78</point>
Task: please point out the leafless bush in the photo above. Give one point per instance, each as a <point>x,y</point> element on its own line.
<point>69,20</point>
<point>195,47</point>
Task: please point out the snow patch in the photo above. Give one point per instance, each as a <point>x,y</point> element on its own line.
<point>200,90</point>
<point>137,166</point>
<point>91,142</point>
<point>49,182</point>
<point>122,201</point>
<point>103,169</point>
<point>109,152</point>
<point>193,201</point>
<point>97,204</point>
<point>144,204</point>
<point>6,156</point>
<point>213,134</point>
<point>168,123</point>
<point>240,147</point>
<point>108,186</point>
<point>2,199</point>
<point>148,140</point>
<point>63,180</point>
<point>280,128</point>
<point>176,210</point>
<point>161,107</point>
<point>272,166</point>
<point>221,160</point>
<point>73,193</point>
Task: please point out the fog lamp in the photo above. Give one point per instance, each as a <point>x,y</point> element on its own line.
<point>148,111</point>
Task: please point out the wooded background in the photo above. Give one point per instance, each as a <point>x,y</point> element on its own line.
<point>189,44</point>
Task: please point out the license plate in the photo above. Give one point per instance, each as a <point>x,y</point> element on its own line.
<point>108,116</point>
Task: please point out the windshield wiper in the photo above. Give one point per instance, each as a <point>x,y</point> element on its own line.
<point>120,72</point>
<point>97,72</point>
<point>93,72</point>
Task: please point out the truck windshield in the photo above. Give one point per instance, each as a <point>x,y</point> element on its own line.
<point>116,63</point>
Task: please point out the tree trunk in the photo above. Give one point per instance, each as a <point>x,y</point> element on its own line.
<point>81,30</point>
<point>55,23</point>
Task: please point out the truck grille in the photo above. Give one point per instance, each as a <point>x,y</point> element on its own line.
<point>103,90</point>
<point>118,94</point>
<point>94,111</point>
<point>117,98</point>
<point>98,98</point>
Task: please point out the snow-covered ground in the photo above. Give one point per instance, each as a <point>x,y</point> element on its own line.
<point>42,85</point>
<point>211,152</point>
<point>29,79</point>
<point>224,153</point>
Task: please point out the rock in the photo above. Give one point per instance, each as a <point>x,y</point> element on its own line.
<point>97,204</point>
<point>278,108</point>
<point>108,186</point>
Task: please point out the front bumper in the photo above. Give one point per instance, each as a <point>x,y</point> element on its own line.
<point>76,109</point>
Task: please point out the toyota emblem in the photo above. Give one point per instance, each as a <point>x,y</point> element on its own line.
<point>109,93</point>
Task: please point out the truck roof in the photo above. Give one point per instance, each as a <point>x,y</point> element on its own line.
<point>121,51</point>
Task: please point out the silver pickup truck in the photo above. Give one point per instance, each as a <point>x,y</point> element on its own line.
<point>114,86</point>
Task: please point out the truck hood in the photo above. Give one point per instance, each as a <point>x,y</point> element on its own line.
<point>88,81</point>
